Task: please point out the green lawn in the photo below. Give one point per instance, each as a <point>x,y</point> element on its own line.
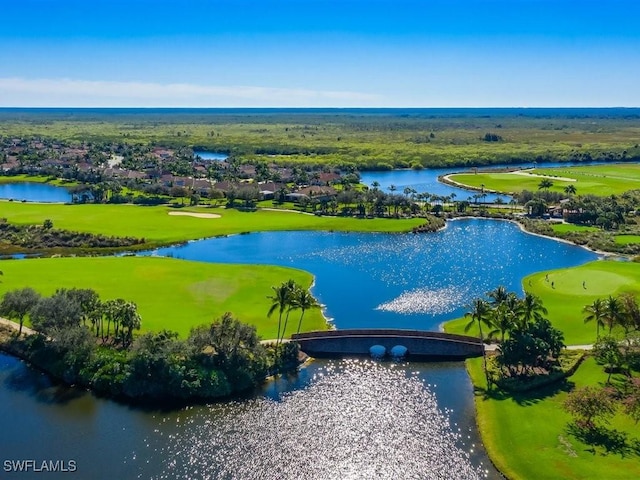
<point>627,239</point>
<point>156,225</point>
<point>172,294</point>
<point>570,227</point>
<point>611,179</point>
<point>564,296</point>
<point>526,435</point>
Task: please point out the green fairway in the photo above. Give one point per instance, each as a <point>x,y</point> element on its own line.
<point>526,434</point>
<point>171,294</point>
<point>564,296</point>
<point>570,227</point>
<point>611,179</point>
<point>156,225</point>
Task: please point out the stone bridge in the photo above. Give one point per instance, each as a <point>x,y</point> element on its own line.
<point>417,344</point>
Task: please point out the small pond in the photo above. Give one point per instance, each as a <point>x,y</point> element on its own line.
<point>207,155</point>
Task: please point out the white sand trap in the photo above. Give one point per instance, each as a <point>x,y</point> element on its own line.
<point>193,214</point>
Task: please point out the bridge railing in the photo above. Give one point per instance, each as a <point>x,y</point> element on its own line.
<point>384,332</point>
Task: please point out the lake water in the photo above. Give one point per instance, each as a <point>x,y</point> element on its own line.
<point>34,192</point>
<point>426,180</point>
<point>333,420</point>
<point>390,280</point>
<point>206,155</point>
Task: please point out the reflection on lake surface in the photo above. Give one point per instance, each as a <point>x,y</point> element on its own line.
<point>333,420</point>
<point>402,281</point>
<point>34,192</point>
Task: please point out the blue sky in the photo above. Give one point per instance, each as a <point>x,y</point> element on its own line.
<point>324,53</point>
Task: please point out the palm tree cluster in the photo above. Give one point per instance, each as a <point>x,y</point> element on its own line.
<point>70,308</point>
<point>532,342</point>
<point>614,311</point>
<point>504,313</point>
<point>287,297</point>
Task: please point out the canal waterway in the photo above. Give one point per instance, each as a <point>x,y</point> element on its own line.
<point>34,192</point>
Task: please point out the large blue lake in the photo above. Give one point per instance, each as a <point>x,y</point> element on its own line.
<point>34,192</point>
<point>393,280</point>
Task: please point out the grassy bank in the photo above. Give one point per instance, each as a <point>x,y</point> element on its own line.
<point>527,434</point>
<point>564,295</point>
<point>155,225</point>
<point>171,294</point>
<point>612,179</point>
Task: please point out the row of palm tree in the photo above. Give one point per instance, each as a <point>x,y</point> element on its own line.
<point>614,311</point>
<point>287,297</point>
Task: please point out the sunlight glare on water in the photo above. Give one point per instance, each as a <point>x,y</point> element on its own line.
<point>423,300</point>
<point>356,419</point>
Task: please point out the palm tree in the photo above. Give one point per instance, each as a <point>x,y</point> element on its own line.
<point>570,189</point>
<point>279,301</point>
<point>292,287</point>
<point>545,184</point>
<point>596,312</point>
<point>614,312</point>
<point>498,295</point>
<point>304,301</point>
<point>481,313</point>
<point>532,309</point>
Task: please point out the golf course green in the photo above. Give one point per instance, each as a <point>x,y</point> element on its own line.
<point>564,295</point>
<point>171,294</point>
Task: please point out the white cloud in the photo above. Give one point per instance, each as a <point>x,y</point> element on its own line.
<point>64,92</point>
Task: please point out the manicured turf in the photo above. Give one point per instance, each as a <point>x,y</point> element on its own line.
<point>170,294</point>
<point>526,435</point>
<point>569,227</point>
<point>611,179</point>
<point>156,225</point>
<point>627,239</point>
<point>565,297</point>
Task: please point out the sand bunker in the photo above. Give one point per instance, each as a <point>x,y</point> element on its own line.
<point>197,215</point>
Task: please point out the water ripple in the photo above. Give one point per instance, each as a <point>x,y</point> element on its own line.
<point>423,300</point>
<point>357,419</point>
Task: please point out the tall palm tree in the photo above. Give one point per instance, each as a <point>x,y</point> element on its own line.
<point>570,189</point>
<point>291,286</point>
<point>480,313</point>
<point>532,309</point>
<point>614,312</point>
<point>279,301</point>
<point>304,301</point>
<point>498,295</point>
<point>595,312</point>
